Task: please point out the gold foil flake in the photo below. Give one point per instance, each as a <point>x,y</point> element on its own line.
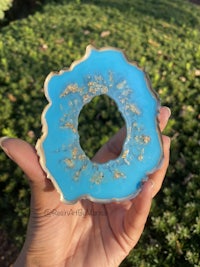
<point>121,85</point>
<point>146,139</point>
<point>86,98</point>
<point>142,139</point>
<point>71,88</point>
<point>140,157</point>
<point>127,162</point>
<point>74,152</point>
<point>104,90</point>
<point>126,92</point>
<point>97,87</point>
<point>124,156</point>
<point>82,157</point>
<point>69,162</point>
<point>70,126</point>
<point>135,126</point>
<point>128,137</point>
<point>84,167</point>
<point>90,84</point>
<point>133,108</point>
<point>118,174</point>
<point>76,175</point>
<point>125,153</point>
<point>98,78</point>
<point>92,89</point>
<point>97,178</point>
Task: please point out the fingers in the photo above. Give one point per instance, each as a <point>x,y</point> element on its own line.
<point>158,176</point>
<point>163,117</point>
<point>137,215</point>
<point>25,156</point>
<point>112,149</point>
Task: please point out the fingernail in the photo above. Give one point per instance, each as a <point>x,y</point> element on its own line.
<point>166,141</point>
<point>148,185</point>
<point>2,140</point>
<point>169,111</point>
<point>151,182</point>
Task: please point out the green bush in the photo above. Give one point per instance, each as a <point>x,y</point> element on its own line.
<point>99,120</point>
<point>163,37</point>
<point>4,6</point>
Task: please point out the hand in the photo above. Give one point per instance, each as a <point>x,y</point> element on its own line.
<point>66,235</point>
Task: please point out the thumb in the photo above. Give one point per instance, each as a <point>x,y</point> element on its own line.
<point>25,156</point>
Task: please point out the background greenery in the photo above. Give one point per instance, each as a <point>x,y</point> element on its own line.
<point>163,36</point>
<point>4,6</point>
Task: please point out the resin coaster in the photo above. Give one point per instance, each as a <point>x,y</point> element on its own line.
<point>75,176</point>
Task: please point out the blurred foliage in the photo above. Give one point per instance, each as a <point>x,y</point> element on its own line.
<point>99,120</point>
<point>22,8</point>
<point>163,37</point>
<point>4,6</point>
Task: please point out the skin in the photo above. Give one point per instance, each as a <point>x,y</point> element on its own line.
<point>58,235</point>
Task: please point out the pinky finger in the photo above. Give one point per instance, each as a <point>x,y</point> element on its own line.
<point>158,176</point>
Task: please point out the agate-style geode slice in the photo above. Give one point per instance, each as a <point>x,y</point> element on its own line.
<point>75,176</point>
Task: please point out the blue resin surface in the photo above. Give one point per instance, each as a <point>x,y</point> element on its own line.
<point>104,71</point>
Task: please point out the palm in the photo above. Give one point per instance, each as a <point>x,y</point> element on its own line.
<point>99,229</point>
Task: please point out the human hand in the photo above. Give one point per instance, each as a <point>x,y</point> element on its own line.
<point>86,233</point>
